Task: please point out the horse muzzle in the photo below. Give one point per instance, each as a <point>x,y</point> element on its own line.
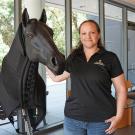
<point>56,65</point>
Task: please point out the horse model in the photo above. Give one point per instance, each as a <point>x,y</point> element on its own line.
<point>21,86</point>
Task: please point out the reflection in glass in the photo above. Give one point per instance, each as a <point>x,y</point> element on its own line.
<point>131,16</point>
<point>131,47</point>
<point>131,56</point>
<point>113,29</point>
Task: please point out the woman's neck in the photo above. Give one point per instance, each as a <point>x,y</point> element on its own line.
<point>90,51</point>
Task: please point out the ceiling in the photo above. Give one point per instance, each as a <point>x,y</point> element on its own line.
<point>78,3</point>
<point>130,3</point>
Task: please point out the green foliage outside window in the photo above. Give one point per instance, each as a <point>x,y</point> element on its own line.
<point>7,21</point>
<point>6,26</point>
<point>56,20</point>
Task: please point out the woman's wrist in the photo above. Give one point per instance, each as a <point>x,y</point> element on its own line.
<point>118,117</point>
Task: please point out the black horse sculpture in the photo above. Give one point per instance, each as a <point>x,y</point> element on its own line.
<point>21,86</point>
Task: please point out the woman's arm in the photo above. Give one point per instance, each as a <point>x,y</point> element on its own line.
<point>121,98</point>
<point>58,78</point>
<point>121,94</point>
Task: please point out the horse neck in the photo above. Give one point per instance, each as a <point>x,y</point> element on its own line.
<point>30,83</point>
<point>16,52</point>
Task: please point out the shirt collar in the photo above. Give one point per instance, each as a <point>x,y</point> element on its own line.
<point>101,51</point>
<point>80,54</point>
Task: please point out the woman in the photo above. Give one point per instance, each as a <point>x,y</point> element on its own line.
<point>91,109</point>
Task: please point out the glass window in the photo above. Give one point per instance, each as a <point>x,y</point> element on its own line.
<point>131,47</point>
<point>56,91</point>
<point>82,10</point>
<point>6,26</point>
<point>131,16</point>
<point>113,29</point>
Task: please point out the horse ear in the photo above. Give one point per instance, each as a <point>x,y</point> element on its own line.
<point>25,17</point>
<point>43,17</point>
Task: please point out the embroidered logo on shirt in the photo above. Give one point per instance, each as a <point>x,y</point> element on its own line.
<point>99,62</point>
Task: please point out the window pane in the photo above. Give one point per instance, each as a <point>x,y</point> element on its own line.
<point>6,26</point>
<point>113,29</point>
<point>131,47</point>
<point>131,16</point>
<point>56,91</point>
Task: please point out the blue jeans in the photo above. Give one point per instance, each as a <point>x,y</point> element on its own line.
<point>75,127</point>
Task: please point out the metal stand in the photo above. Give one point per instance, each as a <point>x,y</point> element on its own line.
<point>28,129</point>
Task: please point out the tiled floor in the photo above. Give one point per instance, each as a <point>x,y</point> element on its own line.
<point>7,129</point>
<point>130,130</point>
<point>126,131</point>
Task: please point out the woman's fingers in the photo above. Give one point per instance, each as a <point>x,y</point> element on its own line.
<point>113,125</point>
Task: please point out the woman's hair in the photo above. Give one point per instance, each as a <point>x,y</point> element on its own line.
<point>80,45</point>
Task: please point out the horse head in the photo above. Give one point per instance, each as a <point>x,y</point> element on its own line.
<point>40,46</point>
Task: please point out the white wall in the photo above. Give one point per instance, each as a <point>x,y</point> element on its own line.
<point>34,8</point>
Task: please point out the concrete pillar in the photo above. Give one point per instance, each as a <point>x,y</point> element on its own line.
<point>17,13</point>
<point>34,8</point>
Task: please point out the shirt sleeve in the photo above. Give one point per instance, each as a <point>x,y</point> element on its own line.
<point>116,68</point>
<point>68,64</point>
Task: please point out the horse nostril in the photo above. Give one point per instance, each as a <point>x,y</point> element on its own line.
<point>54,61</point>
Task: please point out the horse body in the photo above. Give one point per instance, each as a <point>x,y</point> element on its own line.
<point>21,86</point>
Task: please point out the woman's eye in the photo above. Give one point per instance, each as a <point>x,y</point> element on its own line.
<point>83,33</point>
<point>93,32</point>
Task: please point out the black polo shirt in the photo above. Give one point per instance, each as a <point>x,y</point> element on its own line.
<point>91,98</point>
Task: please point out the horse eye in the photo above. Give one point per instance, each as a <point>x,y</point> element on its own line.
<point>29,35</point>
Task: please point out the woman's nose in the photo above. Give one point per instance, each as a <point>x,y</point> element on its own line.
<point>88,35</point>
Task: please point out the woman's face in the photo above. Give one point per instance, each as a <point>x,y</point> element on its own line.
<point>89,35</point>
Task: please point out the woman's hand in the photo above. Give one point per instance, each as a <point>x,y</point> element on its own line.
<point>113,126</point>
<point>121,98</point>
<point>57,78</point>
